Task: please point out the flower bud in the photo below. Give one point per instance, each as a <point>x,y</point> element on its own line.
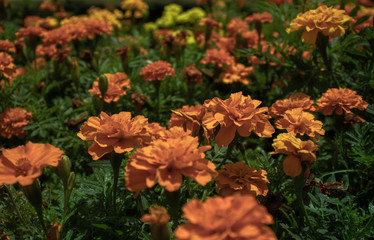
<point>103,85</point>
<point>75,72</point>
<point>63,169</point>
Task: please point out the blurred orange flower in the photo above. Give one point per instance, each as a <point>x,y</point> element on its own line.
<point>164,161</point>
<point>259,17</point>
<point>157,71</point>
<point>299,100</point>
<point>299,153</point>
<point>116,84</point>
<point>240,178</point>
<point>157,215</point>
<point>24,163</point>
<point>136,8</point>
<point>327,20</point>
<point>235,26</point>
<point>340,100</point>
<point>219,57</point>
<point>237,73</point>
<point>6,65</point>
<point>238,114</point>
<point>194,119</point>
<point>8,46</point>
<point>233,217</point>
<point>192,75</point>
<point>296,121</point>
<point>12,121</point>
<point>30,32</point>
<point>117,132</point>
<point>47,5</point>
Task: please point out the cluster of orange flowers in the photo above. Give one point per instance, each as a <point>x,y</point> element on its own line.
<point>12,121</point>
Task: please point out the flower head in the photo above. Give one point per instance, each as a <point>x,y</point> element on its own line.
<point>237,73</point>
<point>12,121</point>
<point>299,100</point>
<point>327,20</point>
<point>259,17</point>
<point>30,32</point>
<point>233,217</point>
<point>165,160</point>
<point>192,75</point>
<point>116,84</point>
<point>118,133</point>
<point>23,164</point>
<point>238,114</point>
<point>235,26</point>
<point>340,100</point>
<point>296,121</point>
<point>6,65</point>
<point>240,178</point>
<point>157,71</point>
<point>6,45</point>
<point>299,153</point>
<point>218,57</point>
<point>157,215</point>
<point>137,8</point>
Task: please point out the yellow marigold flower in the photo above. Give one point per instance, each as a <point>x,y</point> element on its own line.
<point>300,153</point>
<point>234,217</point>
<point>339,99</point>
<point>191,16</point>
<point>327,20</point>
<point>106,16</point>
<point>237,73</point>
<point>296,121</point>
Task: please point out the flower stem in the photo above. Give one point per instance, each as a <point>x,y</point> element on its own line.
<point>322,42</point>
<point>158,85</point>
<point>14,204</point>
<point>229,151</point>
<point>172,199</point>
<point>115,160</point>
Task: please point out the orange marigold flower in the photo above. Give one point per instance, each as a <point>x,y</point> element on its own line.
<point>339,99</point>
<point>8,46</point>
<point>47,6</point>
<point>218,57</point>
<point>279,2</point>
<point>116,84</point>
<point>12,120</point>
<point>137,8</point>
<point>297,121</point>
<point>30,32</point>
<point>157,215</point>
<point>298,100</point>
<point>300,153</point>
<point>238,114</point>
<point>233,217</point>
<point>235,26</point>
<point>259,17</point>
<point>209,22</point>
<point>237,73</point>
<point>327,20</point>
<point>194,119</point>
<point>192,75</point>
<point>240,178</point>
<point>24,163</point>
<point>157,71</point>
<point>6,65</point>
<point>164,161</point>
<point>117,132</point>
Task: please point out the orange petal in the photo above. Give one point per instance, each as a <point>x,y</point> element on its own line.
<point>292,166</point>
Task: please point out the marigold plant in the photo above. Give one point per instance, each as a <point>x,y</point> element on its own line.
<point>24,163</point>
<point>240,178</point>
<point>116,84</point>
<point>12,121</point>
<point>340,100</point>
<point>238,114</point>
<point>157,71</point>
<point>165,160</point>
<point>327,20</point>
<point>234,217</point>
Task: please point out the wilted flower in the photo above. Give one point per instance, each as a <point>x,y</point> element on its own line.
<point>12,121</point>
<point>340,100</point>
<point>218,57</point>
<point>192,75</point>
<point>237,73</point>
<point>157,71</point>
<point>24,163</point>
<point>165,160</point>
<point>299,100</point>
<point>300,153</point>
<point>234,217</point>
<point>296,121</point>
<point>6,65</point>
<point>238,114</point>
<point>116,84</point>
<point>327,20</point>
<point>240,178</point>
<point>118,133</point>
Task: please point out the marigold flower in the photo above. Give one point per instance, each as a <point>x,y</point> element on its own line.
<point>30,32</point>
<point>240,178</point>
<point>209,22</point>
<point>24,163</point>
<point>157,215</point>
<point>164,161</point>
<point>237,73</point>
<point>339,99</point>
<point>8,46</point>
<point>298,100</point>
<point>6,65</point>
<point>157,71</point>
<point>12,120</point>
<point>297,121</point>
<point>327,20</point>
<point>192,75</point>
<point>233,217</point>
<point>137,8</point>
<point>238,114</point>
<point>47,6</point>
<point>259,17</point>
<point>279,2</point>
<point>299,153</point>
<point>218,57</point>
<point>117,132</point>
<point>116,84</point>
<point>194,119</point>
<point>235,26</point>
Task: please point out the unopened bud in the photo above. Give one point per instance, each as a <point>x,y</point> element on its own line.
<point>63,169</point>
<point>103,85</point>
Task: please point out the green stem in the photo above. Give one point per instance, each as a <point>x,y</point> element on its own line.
<point>158,86</point>
<point>322,42</point>
<point>229,151</point>
<point>14,204</point>
<point>115,160</point>
<point>172,199</point>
